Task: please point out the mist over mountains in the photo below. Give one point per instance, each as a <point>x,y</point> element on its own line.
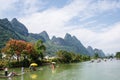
<point>16,30</point>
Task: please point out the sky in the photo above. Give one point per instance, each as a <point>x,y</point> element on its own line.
<point>95,23</point>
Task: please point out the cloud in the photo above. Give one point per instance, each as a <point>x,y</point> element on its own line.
<point>6,5</point>
<point>108,5</point>
<point>54,21</point>
<point>29,6</point>
<point>19,8</point>
<point>111,39</point>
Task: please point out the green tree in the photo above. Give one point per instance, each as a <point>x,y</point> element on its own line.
<point>0,54</point>
<point>96,56</point>
<point>40,48</point>
<point>19,48</point>
<point>68,57</point>
<point>118,55</point>
<point>61,55</point>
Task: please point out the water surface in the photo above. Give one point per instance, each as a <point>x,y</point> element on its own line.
<point>109,70</point>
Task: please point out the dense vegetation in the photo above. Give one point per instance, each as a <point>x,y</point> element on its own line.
<point>19,52</point>
<point>118,55</point>
<point>96,56</point>
<point>69,57</point>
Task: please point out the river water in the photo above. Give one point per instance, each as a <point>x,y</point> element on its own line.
<point>109,70</point>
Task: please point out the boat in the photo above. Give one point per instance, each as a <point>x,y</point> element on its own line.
<point>10,75</point>
<point>3,76</point>
<point>1,69</point>
<point>92,60</point>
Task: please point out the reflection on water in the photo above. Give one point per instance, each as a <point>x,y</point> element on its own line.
<point>9,78</point>
<point>22,78</point>
<point>33,76</point>
<point>109,70</point>
<point>54,71</point>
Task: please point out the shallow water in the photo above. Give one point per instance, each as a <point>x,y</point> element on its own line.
<point>109,70</point>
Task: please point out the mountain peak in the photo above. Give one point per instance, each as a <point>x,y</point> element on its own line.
<point>4,20</point>
<point>54,37</point>
<point>19,27</point>
<point>99,52</point>
<point>90,50</point>
<point>67,36</point>
<point>14,19</point>
<point>45,35</point>
<point>44,32</point>
<point>6,23</point>
<point>89,47</point>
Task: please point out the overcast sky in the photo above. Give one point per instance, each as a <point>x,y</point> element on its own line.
<point>93,22</point>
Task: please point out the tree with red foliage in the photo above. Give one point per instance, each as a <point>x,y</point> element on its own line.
<point>18,47</point>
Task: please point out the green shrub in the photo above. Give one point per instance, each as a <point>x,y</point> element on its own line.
<point>24,63</point>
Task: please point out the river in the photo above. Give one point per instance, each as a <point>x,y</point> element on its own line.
<point>109,70</point>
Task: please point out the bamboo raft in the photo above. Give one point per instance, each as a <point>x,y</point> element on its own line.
<point>2,76</point>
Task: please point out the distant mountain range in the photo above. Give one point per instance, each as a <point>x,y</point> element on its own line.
<point>16,30</point>
<point>93,51</point>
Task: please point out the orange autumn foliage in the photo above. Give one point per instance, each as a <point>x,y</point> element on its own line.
<point>18,46</point>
